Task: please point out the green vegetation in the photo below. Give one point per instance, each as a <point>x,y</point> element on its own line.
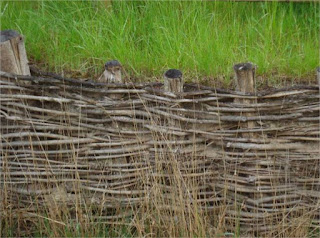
<point>201,38</point>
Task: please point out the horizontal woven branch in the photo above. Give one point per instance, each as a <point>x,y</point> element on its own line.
<point>117,144</point>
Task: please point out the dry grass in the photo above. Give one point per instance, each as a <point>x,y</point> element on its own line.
<point>78,161</point>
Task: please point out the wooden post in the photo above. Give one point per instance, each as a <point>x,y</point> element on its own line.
<point>112,72</point>
<point>13,53</point>
<point>245,83</point>
<point>245,80</point>
<point>173,81</point>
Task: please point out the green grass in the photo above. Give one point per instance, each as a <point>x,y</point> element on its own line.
<point>204,39</point>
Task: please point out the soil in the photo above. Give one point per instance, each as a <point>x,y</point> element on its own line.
<point>263,82</point>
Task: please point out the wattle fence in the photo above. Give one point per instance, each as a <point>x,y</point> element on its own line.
<point>249,161</point>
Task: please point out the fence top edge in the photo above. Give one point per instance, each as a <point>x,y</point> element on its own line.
<point>53,79</point>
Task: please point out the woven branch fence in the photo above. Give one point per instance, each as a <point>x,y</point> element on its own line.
<point>253,157</point>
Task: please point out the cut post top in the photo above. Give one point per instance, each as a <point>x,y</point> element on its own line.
<point>8,34</point>
<point>173,73</point>
<point>244,66</point>
<point>13,53</point>
<point>173,81</point>
<point>112,63</point>
<point>244,77</point>
<point>112,72</point>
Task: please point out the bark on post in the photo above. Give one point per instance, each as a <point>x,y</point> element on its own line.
<point>173,81</point>
<point>13,53</point>
<point>245,83</point>
<point>112,72</point>
<point>245,80</point>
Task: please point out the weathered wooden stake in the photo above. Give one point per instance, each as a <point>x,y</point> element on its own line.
<point>112,72</point>
<point>13,53</point>
<point>245,82</point>
<point>173,81</point>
